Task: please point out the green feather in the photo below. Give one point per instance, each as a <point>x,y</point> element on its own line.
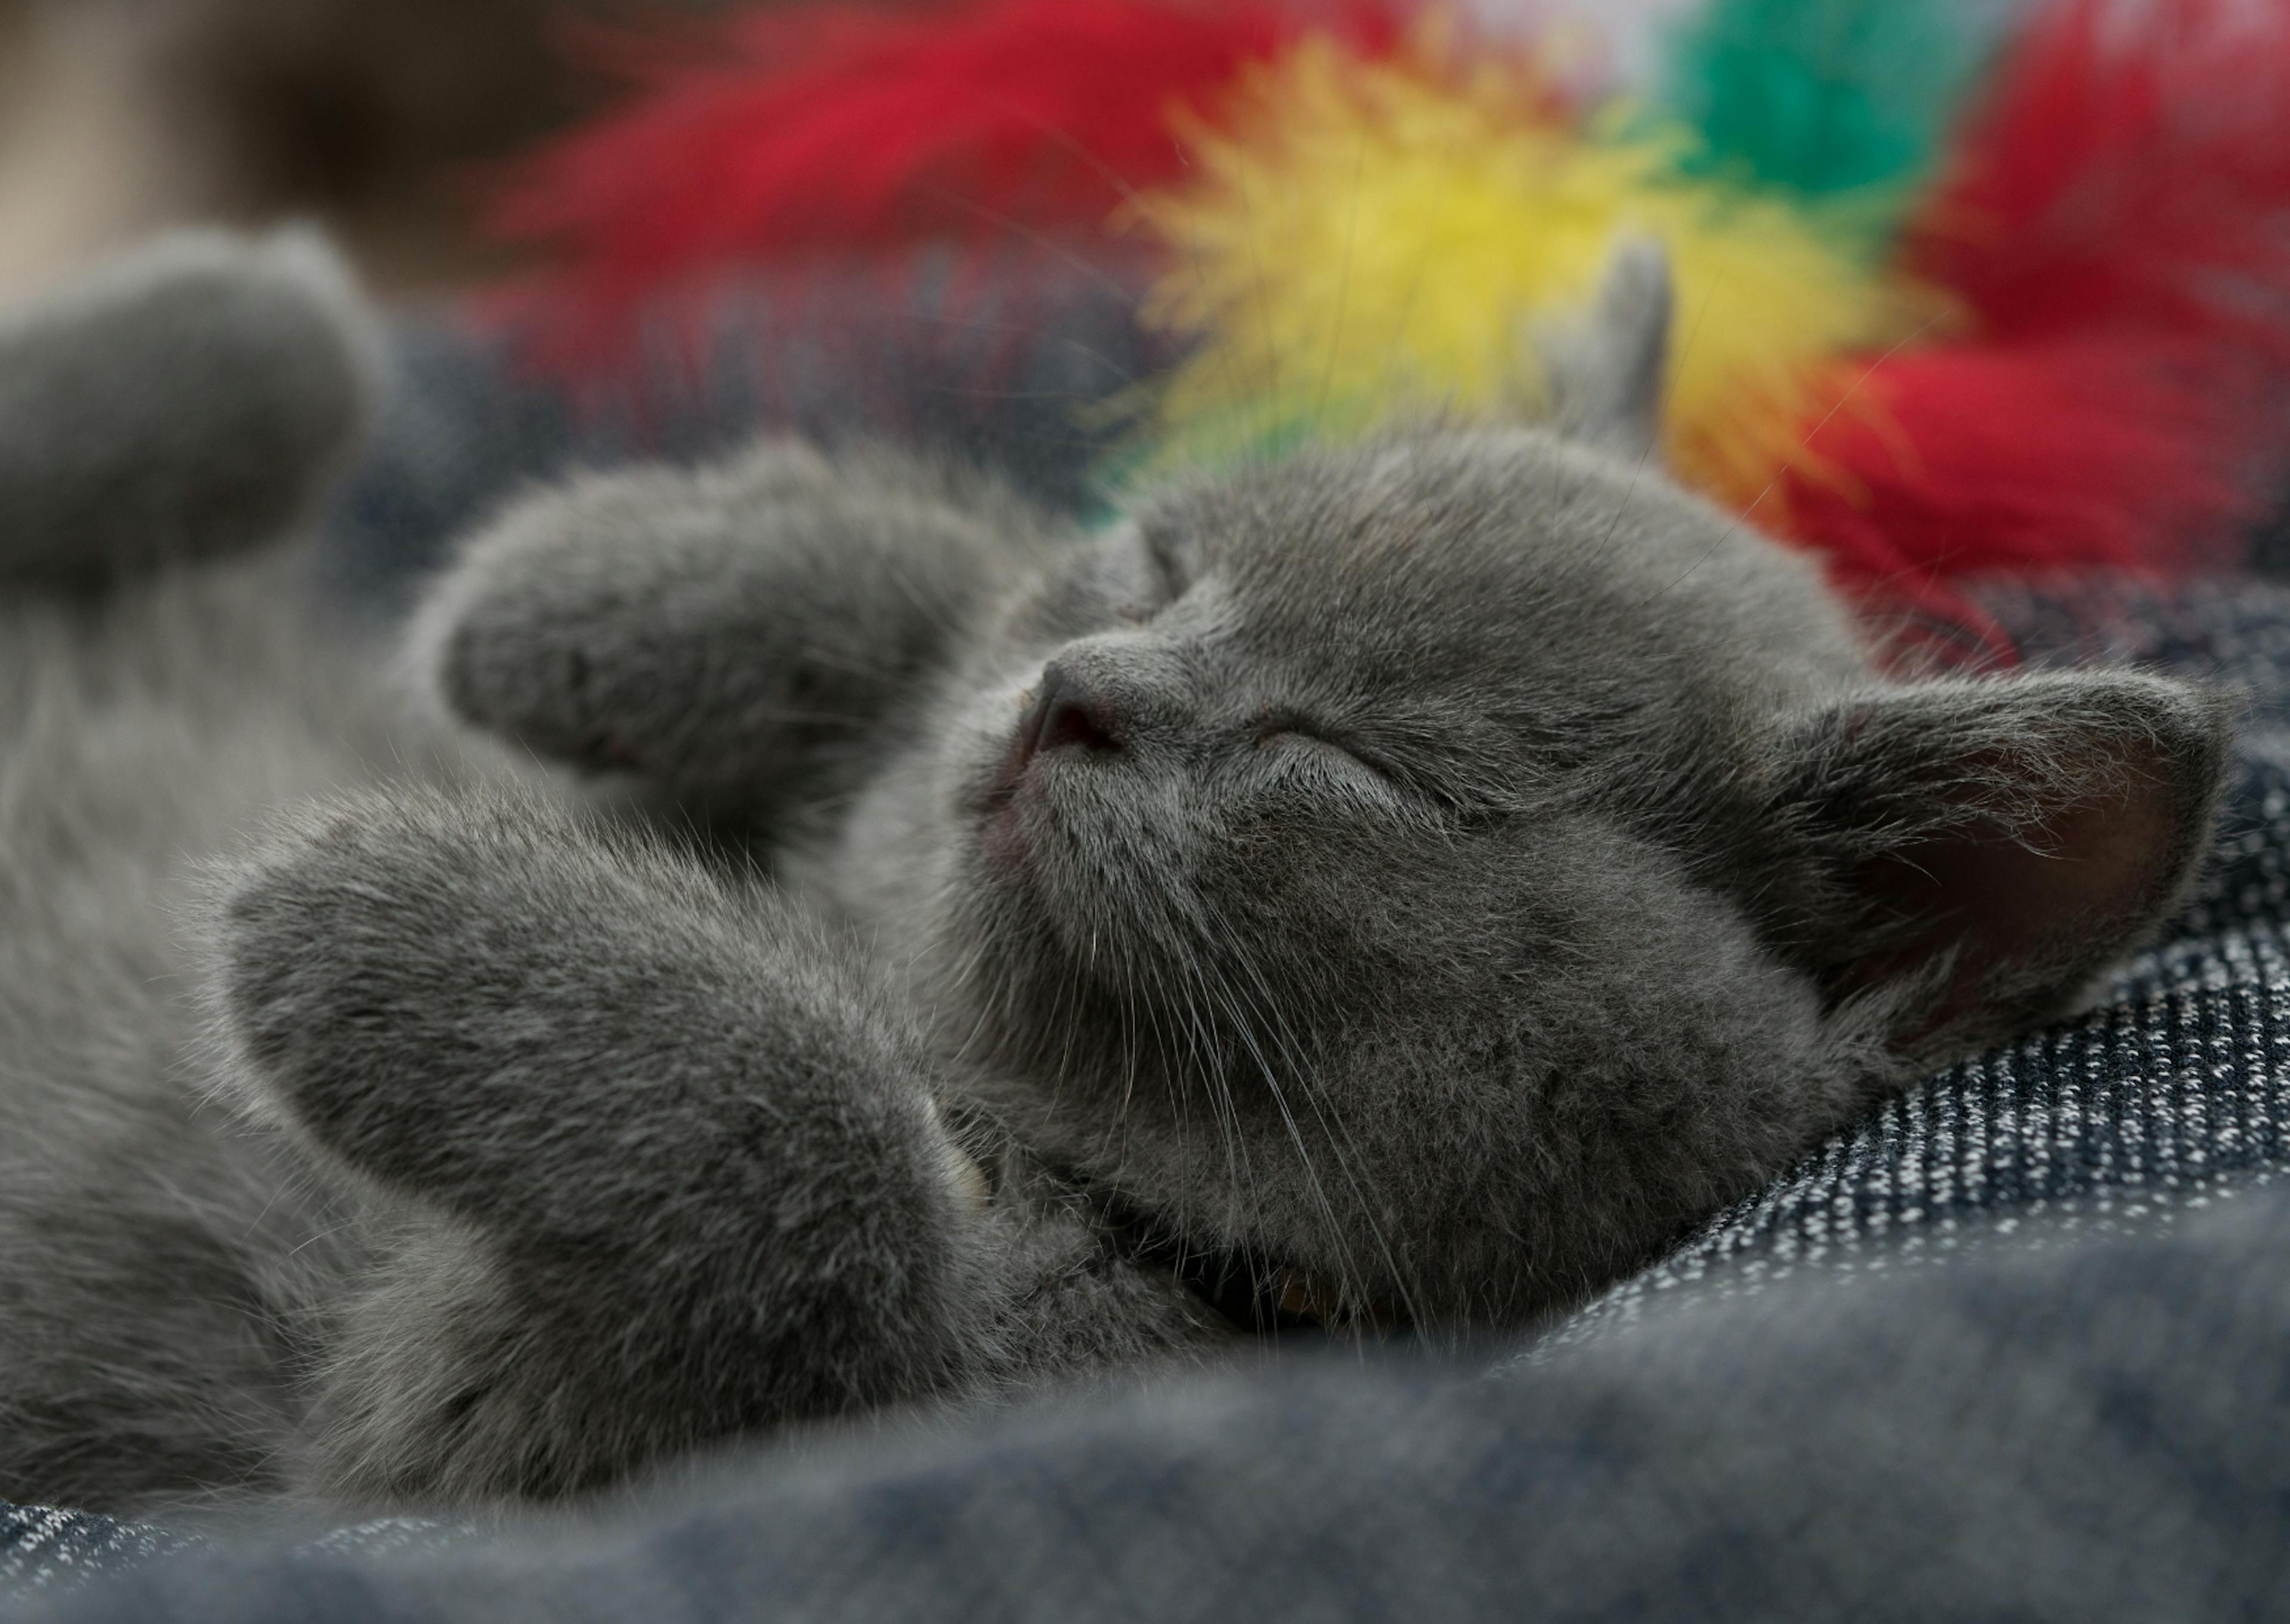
<point>1824,97</point>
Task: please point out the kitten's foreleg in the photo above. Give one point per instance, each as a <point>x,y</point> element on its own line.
<point>684,1174</point>
<point>739,634</point>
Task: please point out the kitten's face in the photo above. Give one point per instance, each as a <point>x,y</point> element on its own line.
<point>1438,873</point>
<point>1354,866</point>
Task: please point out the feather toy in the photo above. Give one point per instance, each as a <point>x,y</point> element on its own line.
<point>2108,451</point>
<point>2117,223</point>
<point>2050,330</point>
<point>1822,96</point>
<point>1366,240</point>
<point>829,126</point>
<point>2130,169</point>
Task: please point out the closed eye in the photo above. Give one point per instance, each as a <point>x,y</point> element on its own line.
<point>1290,733</point>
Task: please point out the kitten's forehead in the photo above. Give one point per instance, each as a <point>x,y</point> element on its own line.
<point>1469,560</point>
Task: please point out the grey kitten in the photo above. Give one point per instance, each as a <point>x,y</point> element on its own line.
<point>1401,886</point>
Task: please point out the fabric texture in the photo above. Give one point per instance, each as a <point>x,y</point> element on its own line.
<point>2012,1346</point>
<point>2087,1431</point>
<point>53,1550</point>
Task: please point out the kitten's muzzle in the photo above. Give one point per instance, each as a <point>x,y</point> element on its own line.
<point>1066,713</point>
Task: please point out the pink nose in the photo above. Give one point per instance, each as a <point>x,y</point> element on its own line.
<point>1066,712</point>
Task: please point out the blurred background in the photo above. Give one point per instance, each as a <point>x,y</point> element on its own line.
<point>2039,248</point>
<point>118,116</point>
<point>376,115</point>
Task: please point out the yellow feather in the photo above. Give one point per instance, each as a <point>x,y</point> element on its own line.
<point>1366,240</point>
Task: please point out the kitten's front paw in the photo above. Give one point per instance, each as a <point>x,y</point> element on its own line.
<point>734,634</point>
<point>489,1003</point>
<point>360,948</point>
<point>188,400</point>
<point>696,1183</point>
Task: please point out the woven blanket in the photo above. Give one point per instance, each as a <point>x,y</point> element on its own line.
<point>2026,1230</point>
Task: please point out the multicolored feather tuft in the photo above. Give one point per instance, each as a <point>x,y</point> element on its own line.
<point>2076,350</point>
<point>1367,240</point>
<point>835,127</point>
<point>2117,223</point>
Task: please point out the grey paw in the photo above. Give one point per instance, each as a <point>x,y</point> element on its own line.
<point>698,1185</point>
<point>490,1005</point>
<point>190,400</point>
<point>736,633</point>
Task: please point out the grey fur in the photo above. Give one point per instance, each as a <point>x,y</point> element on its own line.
<point>1430,875</point>
<point>561,634</point>
<point>173,404</point>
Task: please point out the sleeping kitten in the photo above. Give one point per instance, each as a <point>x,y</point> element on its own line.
<point>1395,887</point>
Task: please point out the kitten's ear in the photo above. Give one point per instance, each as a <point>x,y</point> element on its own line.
<point>1608,370</point>
<point>1973,852</point>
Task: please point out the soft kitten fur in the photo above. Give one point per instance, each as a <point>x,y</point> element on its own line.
<point>1417,880</point>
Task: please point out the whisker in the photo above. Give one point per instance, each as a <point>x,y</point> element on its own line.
<point>1330,1122</point>
<point>1263,300</point>
<point>1040,239</point>
<point>1295,1134</point>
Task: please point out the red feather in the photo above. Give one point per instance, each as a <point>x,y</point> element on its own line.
<point>829,126</point>
<point>2125,452</point>
<point>2131,168</point>
<point>2117,223</point>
